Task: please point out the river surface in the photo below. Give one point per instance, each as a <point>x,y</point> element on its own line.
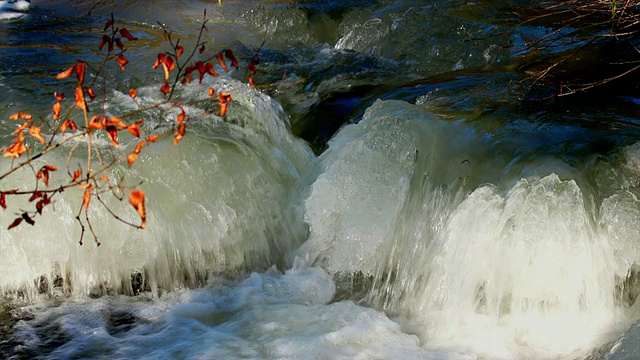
<point>394,188</point>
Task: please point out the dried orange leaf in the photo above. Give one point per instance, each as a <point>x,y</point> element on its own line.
<point>58,96</point>
<point>15,151</point>
<point>50,168</point>
<point>112,133</point>
<point>165,89</point>
<point>80,69</point>
<point>35,132</point>
<point>132,158</point>
<point>115,121</point>
<point>65,74</point>
<point>91,94</point>
<point>177,137</point>
<point>134,129</point>
<point>97,122</point>
<point>76,175</point>
<point>133,93</point>
<point>152,138</point>
<point>201,49</point>
<point>108,24</point>
<point>181,115</point>
<point>20,115</point>
<point>80,103</point>
<point>3,200</point>
<point>57,108</point>
<point>179,50</point>
<point>136,199</point>
<point>21,127</point>
<point>229,55</point>
<point>220,59</point>
<point>68,124</point>
<point>212,91</point>
<point>86,198</point>
<point>122,61</point>
<point>251,83</point>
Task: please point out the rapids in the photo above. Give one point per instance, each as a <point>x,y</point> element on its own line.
<point>391,196</point>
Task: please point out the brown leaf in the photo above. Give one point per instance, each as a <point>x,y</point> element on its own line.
<point>68,124</point>
<point>65,74</point>
<point>159,60</point>
<point>122,61</point>
<point>86,198</point>
<point>15,151</point>
<point>59,97</point>
<point>220,59</point>
<point>201,49</point>
<point>229,55</point>
<point>179,134</point>
<point>127,35</point>
<point>108,25</point>
<point>179,50</point>
<point>3,200</point>
<point>76,175</point>
<point>80,69</point>
<point>97,122</point>
<point>15,223</point>
<point>119,43</point>
<point>112,133</point>
<point>105,40</point>
<point>165,89</point>
<point>181,115</point>
<point>80,103</point>
<point>134,129</point>
<point>57,108</point>
<point>152,138</point>
<point>136,199</point>
<point>35,132</point>
<point>21,115</point>
<point>251,83</point>
<point>212,91</point>
<point>133,93</point>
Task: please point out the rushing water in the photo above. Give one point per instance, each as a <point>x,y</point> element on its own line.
<point>392,196</point>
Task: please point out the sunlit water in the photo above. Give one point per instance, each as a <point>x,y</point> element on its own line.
<point>442,220</point>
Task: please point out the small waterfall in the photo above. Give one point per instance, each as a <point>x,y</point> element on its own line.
<point>224,200</point>
<point>529,267</point>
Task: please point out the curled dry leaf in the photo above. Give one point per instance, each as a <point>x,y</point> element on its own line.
<point>220,58</point>
<point>21,127</point>
<point>136,199</point>
<point>229,55</point>
<point>35,132</point>
<point>119,43</point>
<point>3,200</point>
<point>65,74</point>
<point>134,129</point>
<point>80,68</point>
<point>91,94</point>
<point>105,40</point>
<point>15,223</point>
<point>97,122</point>
<point>251,83</point>
<point>15,151</point>
<point>68,124</point>
<point>133,93</point>
<point>80,103</point>
<point>76,175</point>
<point>152,138</point>
<point>127,35</point>
<point>57,108</point>
<point>179,50</point>
<point>122,61</point>
<point>211,91</point>
<point>165,89</point>
<point>86,198</point>
<point>179,134</point>
<point>59,96</point>
<point>20,115</point>
<point>181,116</point>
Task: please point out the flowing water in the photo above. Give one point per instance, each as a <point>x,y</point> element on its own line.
<point>388,191</point>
